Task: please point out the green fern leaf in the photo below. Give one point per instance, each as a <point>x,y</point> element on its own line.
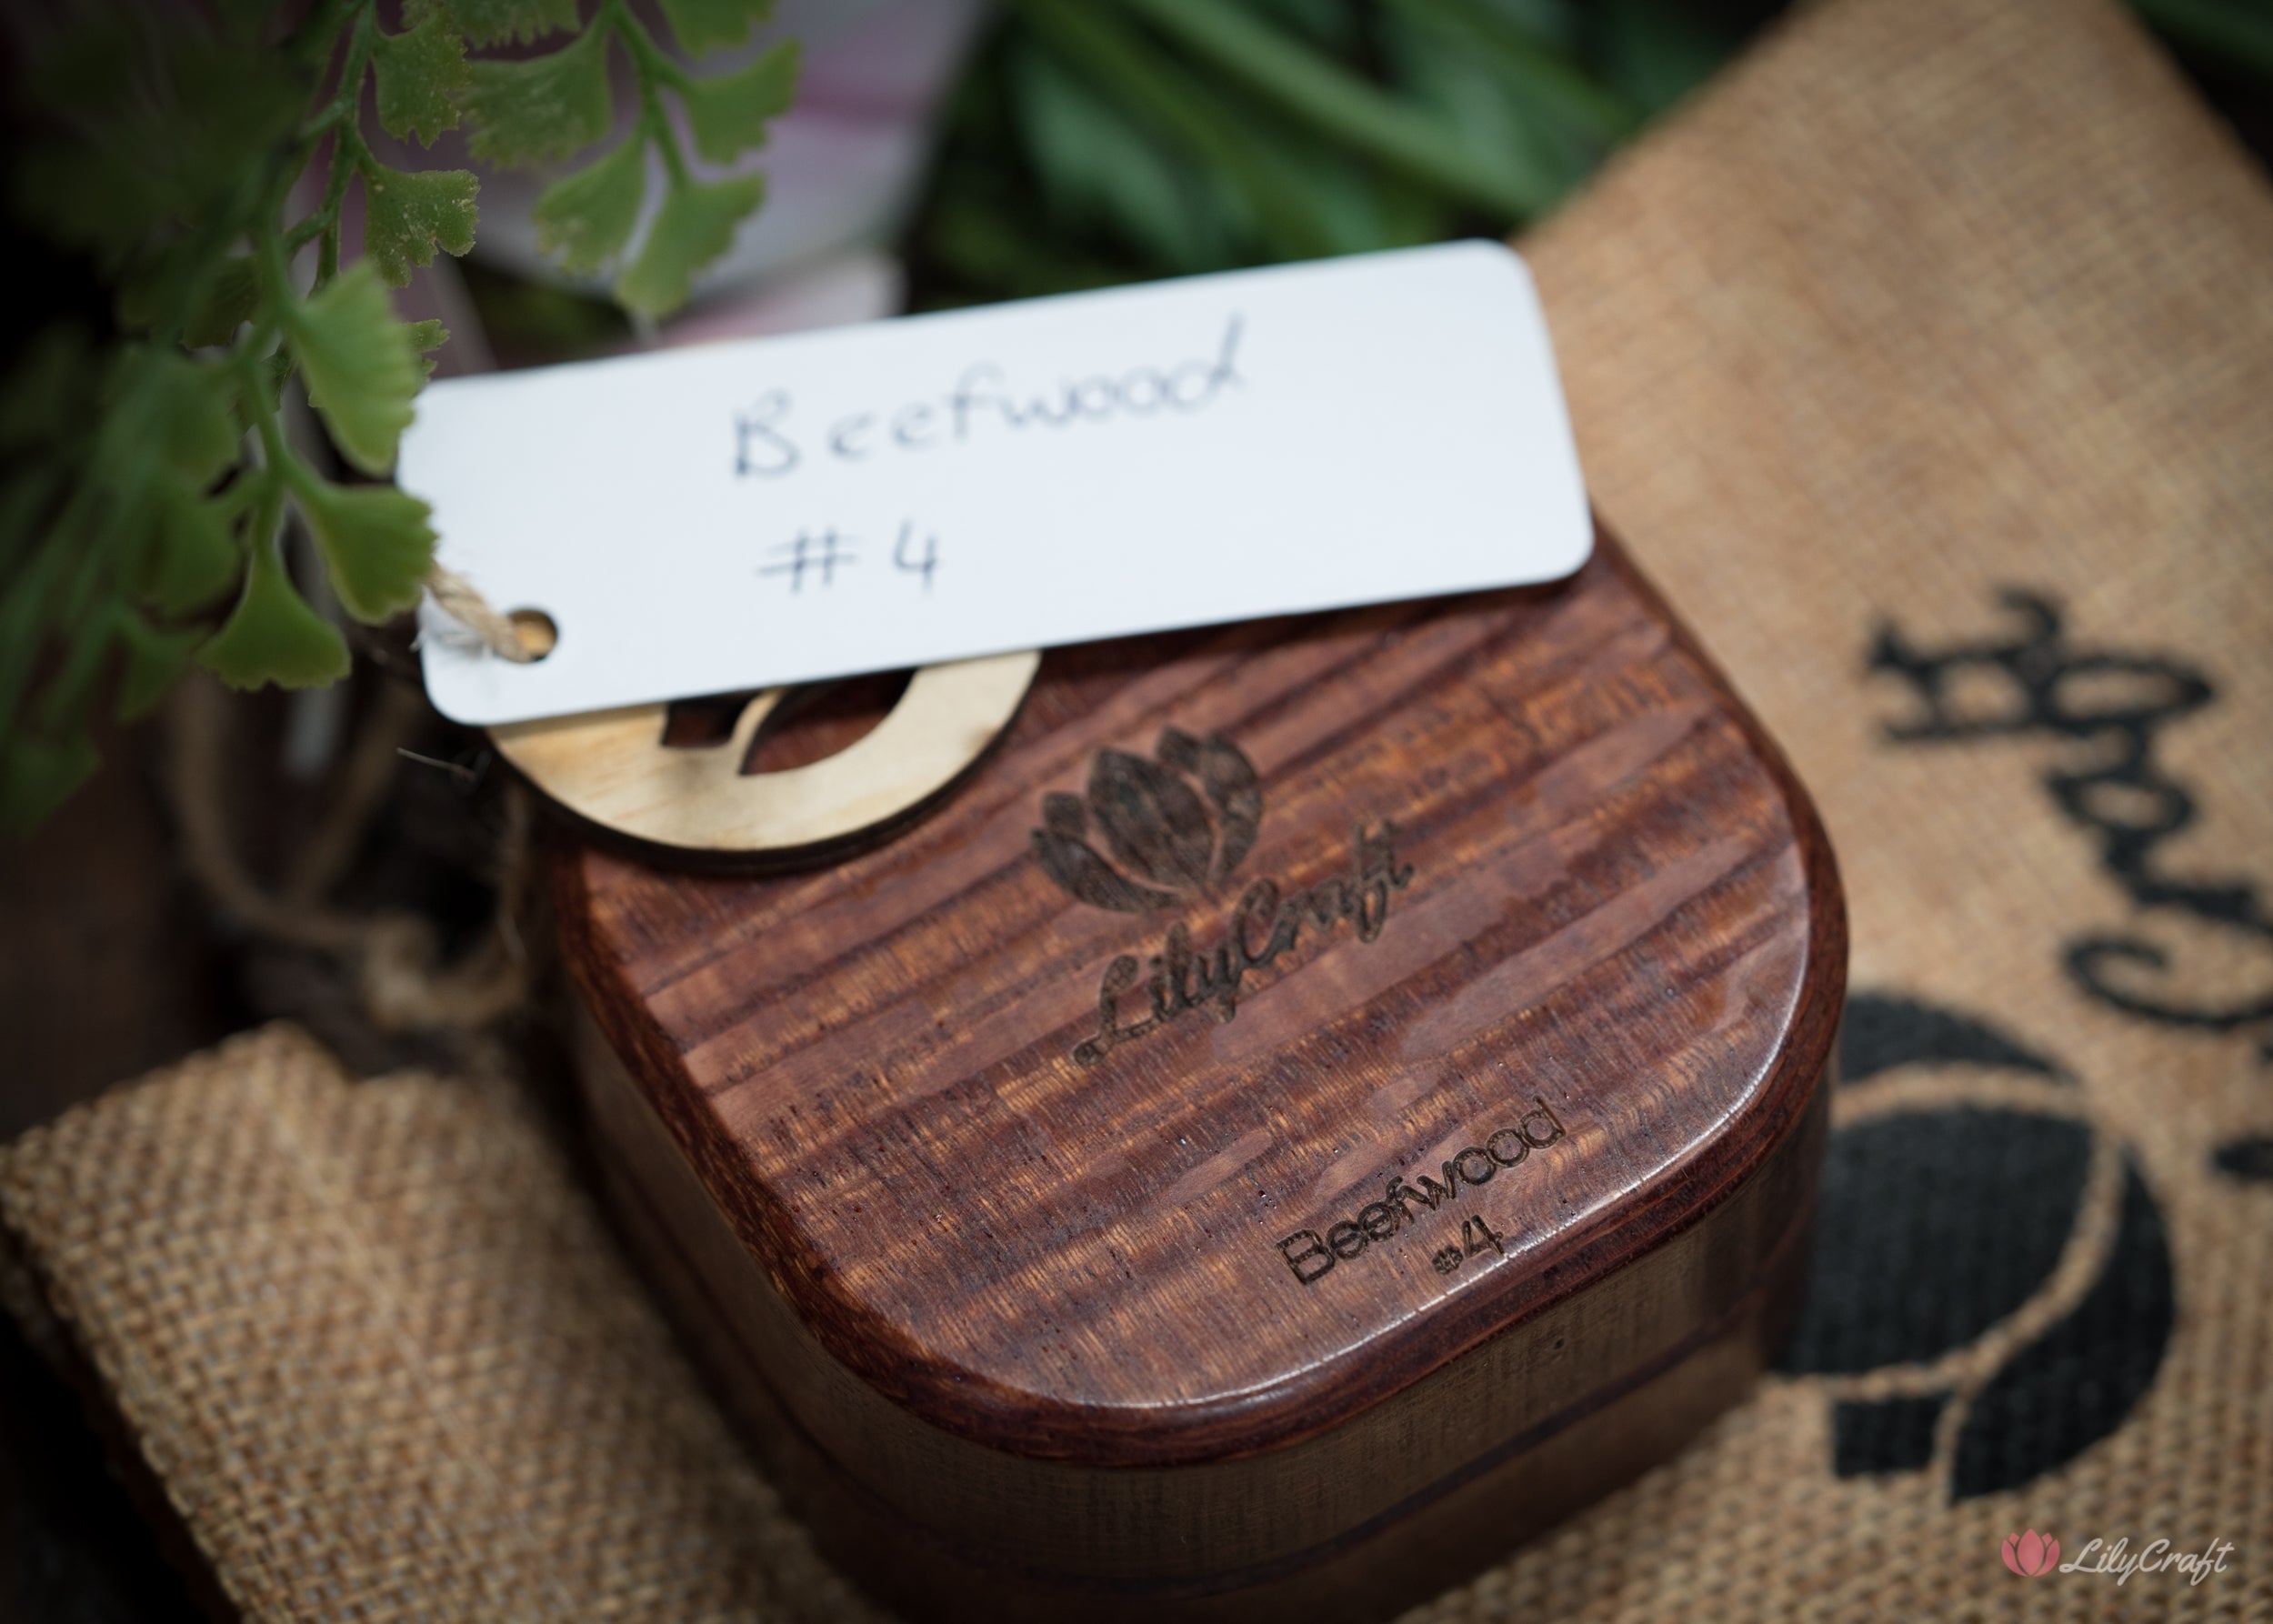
<point>493,22</point>
<point>190,413</point>
<point>359,365</point>
<point>544,107</point>
<point>375,543</point>
<point>420,73</point>
<point>695,226</point>
<point>729,113</point>
<point>406,216</point>
<point>272,635</point>
<point>702,26</point>
<point>587,218</point>
<point>196,558</point>
<point>227,299</point>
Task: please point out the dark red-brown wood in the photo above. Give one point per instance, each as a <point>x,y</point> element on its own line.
<point>1041,1320</point>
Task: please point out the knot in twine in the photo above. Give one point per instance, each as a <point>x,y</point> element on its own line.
<point>501,635</point>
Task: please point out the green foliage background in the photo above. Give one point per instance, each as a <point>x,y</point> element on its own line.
<point>1104,141</point>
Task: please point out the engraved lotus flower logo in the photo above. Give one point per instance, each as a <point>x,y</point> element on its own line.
<point>1173,826</point>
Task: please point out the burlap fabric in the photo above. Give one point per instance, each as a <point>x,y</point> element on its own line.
<point>379,1349</point>
<point>1928,363</point>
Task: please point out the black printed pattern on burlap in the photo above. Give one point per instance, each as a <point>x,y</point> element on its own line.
<point>1894,1435</point>
<point>2109,709</point>
<point>2077,1382</point>
<point>2250,1159</point>
<point>1935,1225</point>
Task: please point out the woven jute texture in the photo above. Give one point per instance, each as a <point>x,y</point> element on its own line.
<point>1927,362</point>
<point>380,1351</point>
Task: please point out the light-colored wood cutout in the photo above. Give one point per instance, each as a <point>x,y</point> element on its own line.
<point>613,769</point>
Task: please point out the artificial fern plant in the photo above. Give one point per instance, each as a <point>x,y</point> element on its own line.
<point>199,164</point>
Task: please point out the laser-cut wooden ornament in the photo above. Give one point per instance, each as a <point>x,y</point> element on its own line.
<point>614,771</point>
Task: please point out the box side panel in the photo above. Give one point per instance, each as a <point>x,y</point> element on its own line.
<point>1696,1305</point>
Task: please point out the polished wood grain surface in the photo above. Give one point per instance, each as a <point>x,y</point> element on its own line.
<point>1305,1061</point>
<point>1633,1366</point>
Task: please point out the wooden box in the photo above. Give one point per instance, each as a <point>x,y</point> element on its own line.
<point>1321,1102</point>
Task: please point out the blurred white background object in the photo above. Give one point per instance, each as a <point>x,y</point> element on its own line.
<point>842,166</point>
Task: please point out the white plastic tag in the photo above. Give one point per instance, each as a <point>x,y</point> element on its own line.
<point>778,510</point>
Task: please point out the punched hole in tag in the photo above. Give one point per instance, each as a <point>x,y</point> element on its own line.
<point>537,632</point>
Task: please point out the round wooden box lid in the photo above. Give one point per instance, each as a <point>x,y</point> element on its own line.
<point>1492,910</point>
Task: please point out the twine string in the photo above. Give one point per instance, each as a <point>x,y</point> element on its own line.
<point>395,956</point>
<point>458,599</point>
